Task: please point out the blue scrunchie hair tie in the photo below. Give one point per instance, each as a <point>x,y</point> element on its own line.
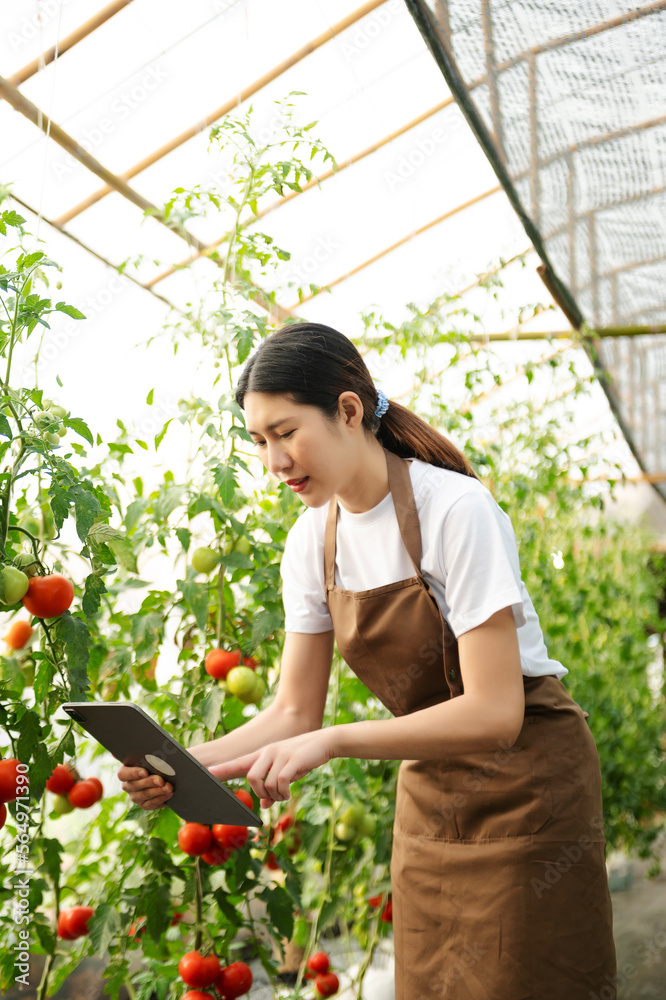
<point>382,403</point>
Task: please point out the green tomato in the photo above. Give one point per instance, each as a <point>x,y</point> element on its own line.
<point>62,805</point>
<point>254,698</point>
<point>15,584</point>
<point>44,419</point>
<point>48,531</point>
<point>301,932</point>
<point>62,431</point>
<point>203,416</point>
<point>204,560</point>
<point>58,411</point>
<point>52,439</point>
<point>368,825</point>
<point>241,681</point>
<point>345,832</point>
<point>58,285</point>
<point>359,891</point>
<point>26,562</point>
<point>353,815</point>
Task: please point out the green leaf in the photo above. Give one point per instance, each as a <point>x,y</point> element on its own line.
<point>211,708</point>
<point>225,481</point>
<point>263,623</point>
<point>149,397</point>
<point>30,735</point>
<point>5,429</point>
<point>124,553</point>
<point>157,900</point>
<point>196,595</point>
<point>280,909</point>
<point>146,634</point>
<point>87,508</point>
<point>104,927</point>
<point>53,852</point>
<point>184,537</point>
<point>71,311</point>
<point>81,428</point>
<point>92,595</point>
<point>75,635</point>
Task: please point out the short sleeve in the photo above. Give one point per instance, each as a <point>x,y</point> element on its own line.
<point>480,563</point>
<point>303,589</point>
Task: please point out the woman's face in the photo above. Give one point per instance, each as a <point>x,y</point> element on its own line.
<point>296,443</point>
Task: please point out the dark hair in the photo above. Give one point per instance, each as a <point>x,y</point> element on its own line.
<point>313,364</point>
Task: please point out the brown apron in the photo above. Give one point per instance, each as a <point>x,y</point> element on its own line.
<point>498,867</point>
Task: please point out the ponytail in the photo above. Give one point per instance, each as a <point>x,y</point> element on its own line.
<point>313,365</point>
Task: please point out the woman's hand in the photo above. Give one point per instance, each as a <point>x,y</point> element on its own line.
<point>149,791</point>
<point>271,769</point>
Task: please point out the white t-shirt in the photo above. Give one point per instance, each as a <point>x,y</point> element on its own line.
<point>469,558</point>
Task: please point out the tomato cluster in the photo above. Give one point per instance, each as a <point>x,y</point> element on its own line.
<point>199,971</point>
<point>71,791</point>
<point>318,968</point>
<point>215,844</point>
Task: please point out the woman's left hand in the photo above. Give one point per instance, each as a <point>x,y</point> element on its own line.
<point>271,769</point>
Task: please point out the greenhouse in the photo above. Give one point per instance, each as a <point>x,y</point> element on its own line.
<point>333,503</point>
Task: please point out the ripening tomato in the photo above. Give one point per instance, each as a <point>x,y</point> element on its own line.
<point>249,661</point>
<point>48,596</point>
<point>195,839</point>
<point>137,928</point>
<point>318,964</point>
<point>83,794</point>
<point>327,984</point>
<point>62,926</point>
<point>199,970</point>
<point>61,780</point>
<point>9,783</point>
<point>76,920</point>
<point>245,798</point>
<point>98,785</point>
<point>217,855</point>
<point>219,662</point>
<point>19,634</point>
<point>234,980</point>
<point>196,995</point>
<point>272,862</point>
<point>234,837</point>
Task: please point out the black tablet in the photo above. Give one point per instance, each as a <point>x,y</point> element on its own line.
<point>136,740</point>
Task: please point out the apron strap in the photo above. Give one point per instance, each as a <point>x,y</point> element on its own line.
<point>329,543</point>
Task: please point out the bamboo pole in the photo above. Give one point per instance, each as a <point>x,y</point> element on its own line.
<point>228,106</point>
<point>211,247</point>
<point>34,114</point>
<point>599,332</point>
<point>63,45</point>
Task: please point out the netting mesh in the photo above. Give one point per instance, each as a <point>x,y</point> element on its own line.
<point>574,96</point>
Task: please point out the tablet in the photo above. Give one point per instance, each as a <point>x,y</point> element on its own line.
<point>136,740</point>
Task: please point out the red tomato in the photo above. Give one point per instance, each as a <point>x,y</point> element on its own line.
<point>19,634</point>
<point>217,855</point>
<point>318,963</point>
<point>234,837</point>
<point>284,822</point>
<point>48,596</point>
<point>387,913</point>
<point>62,926</point>
<point>199,970</point>
<point>98,785</point>
<point>195,839</point>
<point>137,927</point>
<point>9,784</point>
<point>76,920</point>
<point>245,798</point>
<point>177,917</point>
<point>3,814</point>
<point>83,794</point>
<point>61,780</point>
<point>249,661</point>
<point>196,995</point>
<point>375,901</point>
<point>327,984</point>
<point>272,862</point>
<point>219,662</point>
<point>234,980</point>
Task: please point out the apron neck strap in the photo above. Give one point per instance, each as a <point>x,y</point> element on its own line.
<point>405,508</point>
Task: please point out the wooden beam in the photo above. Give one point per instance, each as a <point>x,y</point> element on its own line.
<point>228,106</point>
<point>65,44</point>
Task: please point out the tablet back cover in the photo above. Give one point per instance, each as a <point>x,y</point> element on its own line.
<point>136,740</point>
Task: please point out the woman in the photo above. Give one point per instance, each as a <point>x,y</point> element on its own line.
<point>498,864</point>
